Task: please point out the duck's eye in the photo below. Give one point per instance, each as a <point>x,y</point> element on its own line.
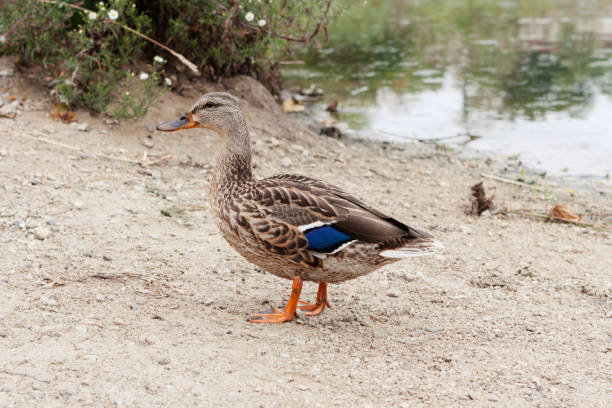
<point>183,117</point>
<point>209,104</point>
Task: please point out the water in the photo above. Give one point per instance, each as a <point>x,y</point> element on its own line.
<point>532,79</point>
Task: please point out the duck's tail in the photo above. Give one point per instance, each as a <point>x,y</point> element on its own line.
<point>414,247</point>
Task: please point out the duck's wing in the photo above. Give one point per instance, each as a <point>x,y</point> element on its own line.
<point>319,217</point>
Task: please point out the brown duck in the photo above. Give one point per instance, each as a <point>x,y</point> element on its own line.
<point>295,227</point>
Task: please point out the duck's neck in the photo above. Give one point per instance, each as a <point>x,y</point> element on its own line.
<point>233,167</point>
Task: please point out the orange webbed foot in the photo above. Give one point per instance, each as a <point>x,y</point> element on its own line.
<point>280,316</point>
<point>277,317</point>
<point>316,308</point>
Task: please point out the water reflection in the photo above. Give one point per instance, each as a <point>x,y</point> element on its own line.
<point>530,77</point>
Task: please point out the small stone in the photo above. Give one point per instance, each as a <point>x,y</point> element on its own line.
<point>303,387</point>
<point>3,153</point>
<point>81,328</point>
<point>163,361</point>
<point>156,174</point>
<point>42,233</point>
<point>284,355</point>
<point>432,329</point>
<point>209,301</point>
<point>393,292</point>
<point>6,72</point>
<point>155,236</point>
<point>286,162</point>
<point>78,204</point>
<point>107,257</point>
<point>51,221</point>
<point>147,143</point>
<point>100,298</point>
<point>48,301</point>
<point>465,230</point>
<point>83,126</point>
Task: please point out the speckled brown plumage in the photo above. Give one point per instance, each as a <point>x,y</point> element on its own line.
<point>270,221</point>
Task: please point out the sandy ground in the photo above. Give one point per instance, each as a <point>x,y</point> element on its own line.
<point>106,301</point>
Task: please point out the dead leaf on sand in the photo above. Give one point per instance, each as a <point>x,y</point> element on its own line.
<point>62,111</point>
<point>332,107</point>
<point>292,105</point>
<point>564,211</point>
<point>479,201</point>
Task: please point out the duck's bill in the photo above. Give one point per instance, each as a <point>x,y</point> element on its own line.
<point>184,122</point>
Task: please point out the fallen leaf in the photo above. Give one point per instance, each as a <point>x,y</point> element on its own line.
<point>564,211</point>
<point>292,105</point>
<point>480,202</point>
<point>332,107</point>
<point>62,111</point>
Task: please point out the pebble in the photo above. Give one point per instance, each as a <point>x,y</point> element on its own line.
<point>393,292</point>
<point>51,221</point>
<point>156,174</point>
<point>432,329</point>
<point>49,301</point>
<point>100,298</point>
<point>286,162</point>
<point>83,126</point>
<point>163,361</point>
<point>42,233</point>
<point>209,301</point>
<point>3,152</point>
<point>465,230</point>
<point>107,257</point>
<point>81,328</point>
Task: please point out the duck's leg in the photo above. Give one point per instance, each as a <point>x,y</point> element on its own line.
<point>280,316</point>
<point>316,308</point>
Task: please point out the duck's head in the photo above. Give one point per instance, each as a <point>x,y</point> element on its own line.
<point>218,111</point>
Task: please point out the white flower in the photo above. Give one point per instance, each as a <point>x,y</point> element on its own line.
<point>159,59</point>
<point>249,16</point>
<point>113,14</point>
<point>2,39</point>
<point>168,81</point>
<point>144,75</point>
<point>261,22</point>
<point>92,15</point>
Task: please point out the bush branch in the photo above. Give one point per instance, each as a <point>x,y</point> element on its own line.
<point>180,57</point>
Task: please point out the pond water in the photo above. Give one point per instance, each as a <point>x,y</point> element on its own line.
<point>527,78</point>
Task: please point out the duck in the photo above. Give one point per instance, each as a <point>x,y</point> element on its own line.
<point>293,226</point>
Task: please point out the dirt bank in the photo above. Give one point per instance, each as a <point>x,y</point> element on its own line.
<point>117,289</point>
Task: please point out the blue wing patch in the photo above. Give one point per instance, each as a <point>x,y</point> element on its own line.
<point>325,239</point>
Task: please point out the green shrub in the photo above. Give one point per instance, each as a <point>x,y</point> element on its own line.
<point>96,62</point>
